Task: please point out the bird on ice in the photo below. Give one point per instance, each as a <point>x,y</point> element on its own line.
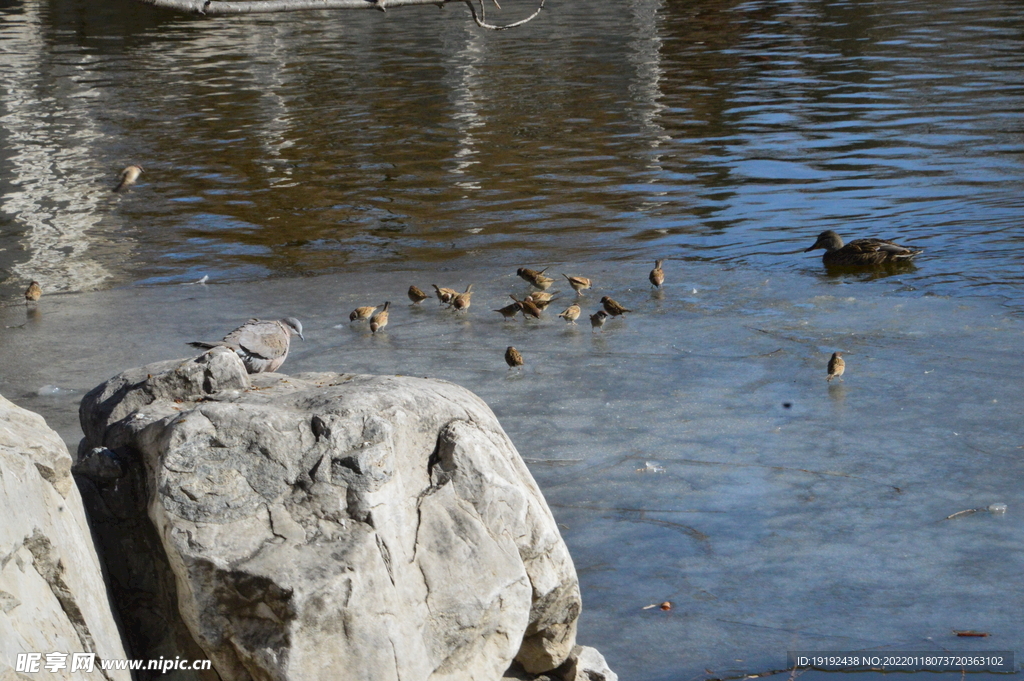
<point>657,275</point>
<point>33,292</point>
<point>836,366</point>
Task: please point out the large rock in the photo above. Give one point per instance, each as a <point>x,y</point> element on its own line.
<point>52,595</point>
<point>329,526</point>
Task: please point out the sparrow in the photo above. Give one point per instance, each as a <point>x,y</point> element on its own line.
<point>597,319</point>
<point>513,358</point>
<point>380,320</point>
<point>535,278</point>
<point>613,308</point>
<point>445,295</point>
<point>529,275</point>
<point>261,345</point>
<point>361,313</point>
<point>836,366</point>
<point>578,283</point>
<point>657,276</point>
<point>461,301</point>
<point>571,314</point>
<point>33,292</point>
<point>545,298</point>
<point>416,295</point>
<point>539,302</point>
<point>509,311</point>
<point>528,307</point>
<point>128,177</point>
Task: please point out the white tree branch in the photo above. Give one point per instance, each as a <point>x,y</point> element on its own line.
<point>223,8</point>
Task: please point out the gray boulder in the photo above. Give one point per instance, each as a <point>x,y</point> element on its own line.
<point>52,595</point>
<point>328,526</point>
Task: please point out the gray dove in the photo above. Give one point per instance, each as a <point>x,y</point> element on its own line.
<point>261,344</point>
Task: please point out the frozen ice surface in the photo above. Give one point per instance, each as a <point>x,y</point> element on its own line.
<point>787,513</point>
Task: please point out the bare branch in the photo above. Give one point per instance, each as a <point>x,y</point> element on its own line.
<point>221,8</point>
<point>482,19</point>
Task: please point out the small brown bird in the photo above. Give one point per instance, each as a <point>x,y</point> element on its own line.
<point>578,283</point>
<point>128,177</point>
<point>597,319</point>
<point>543,283</point>
<point>613,308</point>
<point>528,307</point>
<point>380,320</point>
<point>536,278</point>
<point>571,314</point>
<point>836,366</point>
<point>445,295</point>
<point>529,275</point>
<point>462,300</point>
<point>545,298</point>
<point>416,295</point>
<point>541,304</point>
<point>361,313</point>
<point>509,311</point>
<point>33,292</point>
<point>513,358</point>
<point>657,275</point>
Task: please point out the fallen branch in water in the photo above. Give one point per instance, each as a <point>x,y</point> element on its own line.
<point>212,8</point>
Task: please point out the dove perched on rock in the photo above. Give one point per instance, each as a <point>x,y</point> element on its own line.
<point>261,344</point>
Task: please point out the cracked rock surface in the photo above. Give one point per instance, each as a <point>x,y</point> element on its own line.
<point>326,526</point>
<point>52,595</point>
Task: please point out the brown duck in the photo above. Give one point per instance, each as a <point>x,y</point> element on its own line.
<point>862,252</point>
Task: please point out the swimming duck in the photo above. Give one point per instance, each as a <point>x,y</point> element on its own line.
<point>861,251</point>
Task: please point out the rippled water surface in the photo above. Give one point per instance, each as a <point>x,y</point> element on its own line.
<point>295,144</point>
<point>692,452</point>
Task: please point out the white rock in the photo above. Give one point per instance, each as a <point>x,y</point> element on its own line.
<point>336,526</point>
<point>52,595</point>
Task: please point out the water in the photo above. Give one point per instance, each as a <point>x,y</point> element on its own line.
<point>732,132</point>
<point>308,164</point>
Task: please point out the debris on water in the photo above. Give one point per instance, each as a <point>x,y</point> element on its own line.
<point>206,278</point>
<point>49,390</point>
<point>667,605</point>
<point>651,467</point>
<point>977,634</point>
<point>994,509</point>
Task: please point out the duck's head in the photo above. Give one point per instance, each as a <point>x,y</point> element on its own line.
<point>828,240</point>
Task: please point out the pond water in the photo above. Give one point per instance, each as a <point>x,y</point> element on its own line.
<point>692,452</point>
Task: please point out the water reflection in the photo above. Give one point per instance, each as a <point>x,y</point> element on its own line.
<point>726,131</point>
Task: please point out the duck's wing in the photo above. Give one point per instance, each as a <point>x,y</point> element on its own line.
<point>264,339</point>
<point>878,246</point>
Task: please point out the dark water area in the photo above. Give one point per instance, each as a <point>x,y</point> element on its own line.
<point>693,452</point>
<point>730,132</point>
